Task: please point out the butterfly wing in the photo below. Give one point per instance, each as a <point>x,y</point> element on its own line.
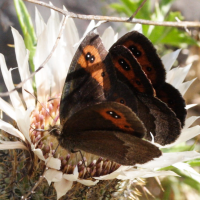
<point>143,112</point>
<point>89,80</point>
<point>111,130</point>
<point>157,117</point>
<point>122,94</point>
<point>167,126</point>
<point>172,97</point>
<point>129,71</point>
<point>122,148</point>
<point>104,116</point>
<point>145,53</point>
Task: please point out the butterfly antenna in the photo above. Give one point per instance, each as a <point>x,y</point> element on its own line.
<point>56,149</point>
<point>51,99</point>
<point>53,129</point>
<point>40,130</point>
<point>55,134</point>
<point>40,104</point>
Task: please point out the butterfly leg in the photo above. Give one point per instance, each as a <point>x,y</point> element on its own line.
<point>76,151</point>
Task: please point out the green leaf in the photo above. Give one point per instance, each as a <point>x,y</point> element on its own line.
<point>27,28</point>
<point>178,148</point>
<point>158,34</point>
<point>165,6</point>
<point>194,163</point>
<point>170,35</point>
<point>145,11</point>
<point>129,7</point>
<point>30,47</point>
<point>157,15</point>
<point>178,38</point>
<point>186,177</point>
<point>119,8</point>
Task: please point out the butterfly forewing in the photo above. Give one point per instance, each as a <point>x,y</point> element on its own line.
<point>129,70</point>
<point>89,80</point>
<point>157,117</point>
<point>122,94</point>
<point>145,53</point>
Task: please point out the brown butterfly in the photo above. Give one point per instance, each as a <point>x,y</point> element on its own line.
<point>160,106</point>
<point>93,112</point>
<point>145,53</point>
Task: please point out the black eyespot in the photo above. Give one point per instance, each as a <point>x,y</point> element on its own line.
<point>138,82</point>
<point>122,101</point>
<point>124,64</point>
<point>135,51</point>
<point>170,101</point>
<point>113,114</point>
<point>92,59</point>
<point>149,69</point>
<point>89,57</point>
<point>103,74</point>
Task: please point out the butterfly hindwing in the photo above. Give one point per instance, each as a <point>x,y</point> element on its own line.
<point>120,147</point>
<point>143,112</point>
<point>167,126</point>
<point>172,97</point>
<point>106,116</point>
<point>110,130</point>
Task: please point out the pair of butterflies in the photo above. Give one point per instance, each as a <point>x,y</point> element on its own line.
<point>111,100</point>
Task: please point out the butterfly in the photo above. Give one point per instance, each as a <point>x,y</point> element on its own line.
<point>160,106</point>
<point>109,102</point>
<point>145,53</point>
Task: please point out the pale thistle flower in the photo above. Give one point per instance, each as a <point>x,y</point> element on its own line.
<point>62,168</point>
